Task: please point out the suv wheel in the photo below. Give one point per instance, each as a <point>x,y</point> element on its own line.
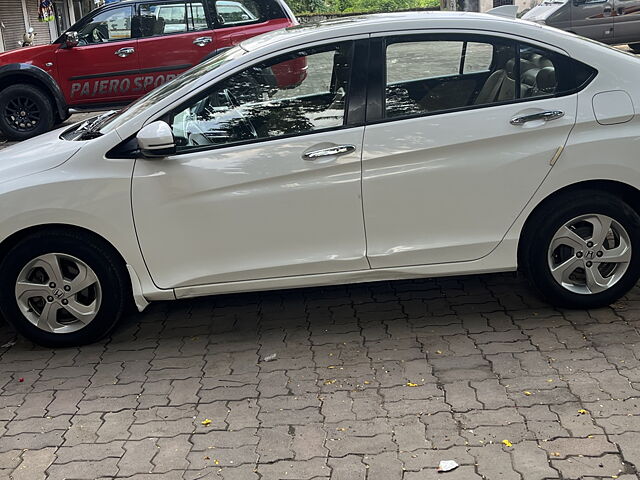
<point>25,111</point>
<point>584,252</point>
<point>62,289</point>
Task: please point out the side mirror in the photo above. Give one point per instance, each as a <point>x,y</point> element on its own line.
<point>156,140</point>
<point>71,39</point>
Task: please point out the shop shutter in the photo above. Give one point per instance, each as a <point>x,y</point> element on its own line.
<point>13,20</point>
<point>41,28</point>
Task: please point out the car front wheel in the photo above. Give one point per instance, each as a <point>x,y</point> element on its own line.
<point>584,251</point>
<point>62,289</point>
<point>25,111</point>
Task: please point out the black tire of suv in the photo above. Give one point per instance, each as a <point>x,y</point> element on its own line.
<point>41,103</point>
<point>635,47</point>
<point>546,223</point>
<point>108,267</point>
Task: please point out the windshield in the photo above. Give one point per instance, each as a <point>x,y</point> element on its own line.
<point>168,88</point>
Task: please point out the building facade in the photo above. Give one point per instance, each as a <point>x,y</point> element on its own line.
<point>17,16</point>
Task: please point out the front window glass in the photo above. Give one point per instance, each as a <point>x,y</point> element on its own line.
<point>293,94</point>
<point>168,88</point>
<point>108,26</point>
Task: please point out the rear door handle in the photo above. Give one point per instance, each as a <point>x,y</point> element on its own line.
<point>202,41</point>
<point>124,52</point>
<point>545,116</point>
<point>334,151</point>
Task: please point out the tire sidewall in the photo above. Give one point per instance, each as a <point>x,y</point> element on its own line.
<point>39,98</point>
<point>111,306</point>
<point>537,264</point>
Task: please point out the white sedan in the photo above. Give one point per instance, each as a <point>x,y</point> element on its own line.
<point>362,149</point>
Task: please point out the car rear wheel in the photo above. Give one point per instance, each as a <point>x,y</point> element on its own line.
<point>25,111</point>
<point>62,289</point>
<point>584,251</point>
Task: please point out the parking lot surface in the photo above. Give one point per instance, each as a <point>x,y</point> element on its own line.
<point>378,381</point>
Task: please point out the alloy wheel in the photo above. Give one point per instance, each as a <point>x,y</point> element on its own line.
<point>22,113</point>
<point>589,254</point>
<point>58,293</point>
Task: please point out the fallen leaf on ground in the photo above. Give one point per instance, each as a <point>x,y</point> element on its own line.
<point>330,382</point>
<point>582,411</point>
<point>527,393</point>
<point>217,462</point>
<point>21,380</point>
<point>410,384</point>
<point>507,443</point>
<point>206,422</point>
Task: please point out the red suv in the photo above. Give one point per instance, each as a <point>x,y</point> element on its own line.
<point>121,51</point>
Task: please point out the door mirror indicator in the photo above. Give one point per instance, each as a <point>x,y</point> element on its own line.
<point>156,140</point>
<point>71,39</point>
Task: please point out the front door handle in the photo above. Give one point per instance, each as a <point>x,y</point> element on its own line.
<point>545,116</point>
<point>202,41</point>
<point>334,151</point>
<point>125,52</point>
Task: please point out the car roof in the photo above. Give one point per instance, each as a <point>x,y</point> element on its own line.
<point>383,22</point>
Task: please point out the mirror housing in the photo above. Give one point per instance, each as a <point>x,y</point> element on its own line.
<point>71,39</point>
<point>156,140</point>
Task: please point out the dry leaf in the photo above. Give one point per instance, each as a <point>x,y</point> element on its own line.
<point>409,384</point>
<point>217,462</point>
<point>527,393</point>
<point>582,411</point>
<point>330,382</point>
<point>206,422</point>
<point>507,443</point>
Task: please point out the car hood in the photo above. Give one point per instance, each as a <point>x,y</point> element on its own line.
<point>36,155</point>
<point>33,55</point>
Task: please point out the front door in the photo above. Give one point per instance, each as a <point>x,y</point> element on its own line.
<point>174,37</point>
<point>266,179</point>
<point>458,152</point>
<point>103,66</point>
<point>593,19</point>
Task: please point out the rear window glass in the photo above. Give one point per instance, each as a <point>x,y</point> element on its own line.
<point>230,13</point>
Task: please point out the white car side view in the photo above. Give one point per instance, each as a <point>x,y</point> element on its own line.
<point>378,147</point>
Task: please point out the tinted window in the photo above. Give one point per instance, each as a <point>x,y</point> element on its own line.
<point>294,94</point>
<point>166,18</point>
<point>229,13</point>
<point>108,26</point>
<point>433,74</point>
<point>440,73</point>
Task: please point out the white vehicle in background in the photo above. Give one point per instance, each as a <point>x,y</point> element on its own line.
<point>384,147</point>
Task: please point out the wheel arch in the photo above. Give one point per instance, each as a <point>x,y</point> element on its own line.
<point>624,191</point>
<point>12,240</point>
<point>16,73</point>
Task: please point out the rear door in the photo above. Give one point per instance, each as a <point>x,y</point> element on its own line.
<point>174,36</point>
<point>446,174</point>
<point>102,67</point>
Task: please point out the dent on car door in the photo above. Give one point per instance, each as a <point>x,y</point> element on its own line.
<point>444,178</point>
<point>266,179</point>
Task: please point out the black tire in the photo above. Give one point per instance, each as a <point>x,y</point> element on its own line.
<point>546,222</point>
<point>99,256</point>
<point>635,47</point>
<point>36,103</point>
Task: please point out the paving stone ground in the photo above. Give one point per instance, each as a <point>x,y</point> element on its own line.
<point>377,381</point>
